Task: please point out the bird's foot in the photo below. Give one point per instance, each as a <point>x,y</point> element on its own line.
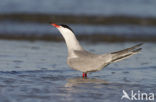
<point>84,75</point>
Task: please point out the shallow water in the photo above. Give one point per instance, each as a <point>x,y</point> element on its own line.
<point>103,17</point>
<point>81,7</point>
<point>31,29</point>
<point>37,72</point>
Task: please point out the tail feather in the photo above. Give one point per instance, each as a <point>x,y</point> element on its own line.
<point>120,55</point>
<point>128,49</point>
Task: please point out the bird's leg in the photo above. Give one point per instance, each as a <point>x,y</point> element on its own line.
<point>84,75</point>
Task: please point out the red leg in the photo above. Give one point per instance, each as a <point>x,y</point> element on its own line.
<point>84,75</point>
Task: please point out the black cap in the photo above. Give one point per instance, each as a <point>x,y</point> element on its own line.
<point>65,26</point>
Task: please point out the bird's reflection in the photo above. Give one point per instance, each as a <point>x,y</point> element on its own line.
<point>79,80</point>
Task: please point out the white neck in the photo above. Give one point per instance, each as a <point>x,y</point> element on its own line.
<point>70,39</point>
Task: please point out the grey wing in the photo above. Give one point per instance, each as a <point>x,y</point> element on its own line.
<point>120,55</point>
<point>128,49</point>
<point>85,54</point>
<point>87,62</point>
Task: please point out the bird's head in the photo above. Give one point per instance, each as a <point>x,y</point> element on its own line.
<point>62,27</point>
<point>68,34</point>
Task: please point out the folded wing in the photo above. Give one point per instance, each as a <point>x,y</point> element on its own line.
<point>120,55</point>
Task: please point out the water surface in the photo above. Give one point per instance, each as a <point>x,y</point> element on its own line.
<point>37,72</point>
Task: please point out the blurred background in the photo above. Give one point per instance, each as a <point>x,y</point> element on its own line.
<point>33,62</point>
<point>102,20</point>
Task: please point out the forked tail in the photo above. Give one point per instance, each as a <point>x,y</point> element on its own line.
<point>120,55</point>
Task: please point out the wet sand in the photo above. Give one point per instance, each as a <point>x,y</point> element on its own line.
<point>37,72</point>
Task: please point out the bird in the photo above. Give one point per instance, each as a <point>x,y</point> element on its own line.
<point>86,62</point>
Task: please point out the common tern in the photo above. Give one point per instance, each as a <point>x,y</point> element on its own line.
<point>84,61</point>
